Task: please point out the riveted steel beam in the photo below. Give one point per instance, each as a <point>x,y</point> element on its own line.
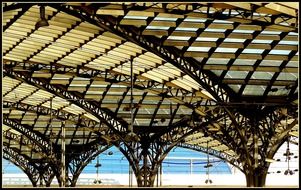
<point>190,66</point>
<point>33,170</point>
<point>77,162</point>
<point>91,107</point>
<point>34,135</point>
<point>219,154</point>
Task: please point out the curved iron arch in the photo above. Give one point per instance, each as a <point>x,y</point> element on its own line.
<point>212,152</point>
<point>104,115</point>
<point>25,164</point>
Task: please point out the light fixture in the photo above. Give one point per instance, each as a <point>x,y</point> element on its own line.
<point>288,155</point>
<point>208,165</point>
<point>97,180</point>
<point>43,21</point>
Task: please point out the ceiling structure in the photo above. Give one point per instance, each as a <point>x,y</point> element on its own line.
<point>201,72</point>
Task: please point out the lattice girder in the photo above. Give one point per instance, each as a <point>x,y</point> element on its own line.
<point>76,163</point>
<point>61,91</point>
<point>188,65</point>
<point>146,154</point>
<point>35,171</point>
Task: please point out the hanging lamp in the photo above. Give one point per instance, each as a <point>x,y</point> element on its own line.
<point>208,165</point>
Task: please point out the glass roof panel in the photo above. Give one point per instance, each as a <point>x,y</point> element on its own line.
<point>206,39</point>
<point>254,90</point>
<point>183,38</point>
<point>217,61</point>
<point>184,111</point>
<point>292,64</point>
<point>287,76</point>
<point>202,49</point>
<point>271,32</point>
<point>280,91</point>
<point>293,33</point>
<point>186,29</point>
<point>158,27</point>
<point>243,31</point>
<point>262,75</point>
<point>94,92</point>
<point>226,50</point>
<point>236,74</point>
<point>262,41</point>
<point>217,72</point>
<point>280,52</point>
<point>254,51</point>
<point>215,30</point>
<point>198,20</point>
<point>222,21</point>
<point>274,63</point>
<point>165,18</point>
<point>235,87</point>
<point>234,40</point>
<point>244,62</point>
<point>136,17</point>
<point>288,42</point>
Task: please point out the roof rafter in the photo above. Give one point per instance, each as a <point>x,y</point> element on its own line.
<point>104,115</point>
<point>150,86</point>
<point>152,44</point>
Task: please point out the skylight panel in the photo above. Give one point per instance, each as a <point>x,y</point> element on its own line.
<point>198,20</point>
<point>254,90</point>
<point>215,30</point>
<point>244,62</point>
<point>178,38</point>
<point>202,49</point>
<point>217,72</point>
<point>254,51</point>
<point>271,32</point>
<point>293,33</point>
<point>243,31</point>
<point>287,76</point>
<point>186,29</point>
<point>292,64</point>
<point>136,17</point>
<point>285,42</point>
<point>262,75</point>
<point>235,87</point>
<point>219,61</point>
<point>275,63</point>
<point>222,21</point>
<point>206,39</point>
<point>226,50</point>
<point>281,90</point>
<point>165,18</point>
<point>237,74</point>
<point>234,40</point>
<point>262,41</point>
<point>280,52</point>
<point>158,27</point>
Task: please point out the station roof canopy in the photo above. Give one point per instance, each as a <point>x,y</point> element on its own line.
<point>186,58</point>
